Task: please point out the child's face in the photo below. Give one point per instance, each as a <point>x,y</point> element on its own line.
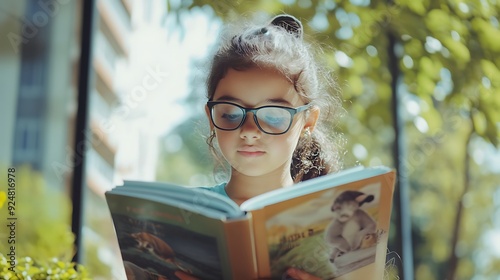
<point>248,150</point>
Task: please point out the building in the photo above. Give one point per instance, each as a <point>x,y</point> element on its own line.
<point>110,55</point>
<point>39,74</point>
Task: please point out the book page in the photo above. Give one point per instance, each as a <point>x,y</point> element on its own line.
<point>337,233</point>
<point>320,183</point>
<point>192,199</point>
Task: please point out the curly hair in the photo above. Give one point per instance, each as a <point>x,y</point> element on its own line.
<point>280,45</point>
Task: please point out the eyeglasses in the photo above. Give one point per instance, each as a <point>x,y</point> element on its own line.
<point>272,120</point>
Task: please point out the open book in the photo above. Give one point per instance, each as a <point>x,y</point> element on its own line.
<point>335,227</point>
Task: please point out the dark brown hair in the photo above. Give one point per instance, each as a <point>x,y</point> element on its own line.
<point>280,45</point>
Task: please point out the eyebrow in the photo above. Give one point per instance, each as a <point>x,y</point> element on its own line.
<point>228,98</point>
<point>271,100</point>
<point>279,101</point>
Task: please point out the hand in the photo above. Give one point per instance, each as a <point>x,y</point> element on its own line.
<point>297,274</point>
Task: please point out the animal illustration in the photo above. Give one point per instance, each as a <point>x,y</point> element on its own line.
<point>157,247</point>
<point>351,227</point>
<point>134,272</point>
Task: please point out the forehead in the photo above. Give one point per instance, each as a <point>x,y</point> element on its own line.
<point>257,86</point>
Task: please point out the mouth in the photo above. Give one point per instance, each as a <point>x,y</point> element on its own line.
<point>344,217</point>
<point>250,153</point>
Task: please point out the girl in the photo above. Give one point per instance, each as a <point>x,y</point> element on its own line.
<point>265,93</point>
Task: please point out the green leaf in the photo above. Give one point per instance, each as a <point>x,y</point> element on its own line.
<point>487,33</point>
<point>437,20</point>
<point>459,26</point>
<point>360,65</point>
<point>479,121</point>
<point>491,71</point>
<point>458,50</point>
<point>434,120</point>
<point>418,7</point>
<point>430,68</point>
<point>355,85</point>
<point>425,85</point>
<point>414,48</point>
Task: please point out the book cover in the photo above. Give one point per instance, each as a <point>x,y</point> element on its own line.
<point>157,239</point>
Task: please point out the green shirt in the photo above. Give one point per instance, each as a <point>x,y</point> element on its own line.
<point>220,189</point>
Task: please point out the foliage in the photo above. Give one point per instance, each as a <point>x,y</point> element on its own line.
<point>191,149</point>
<point>27,268</point>
<point>439,43</point>
<point>448,56</point>
<point>3,198</point>
<point>43,239</point>
<point>43,218</point>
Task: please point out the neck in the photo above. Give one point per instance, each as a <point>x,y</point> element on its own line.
<point>241,187</point>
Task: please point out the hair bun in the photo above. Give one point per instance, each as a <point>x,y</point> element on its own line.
<point>289,23</point>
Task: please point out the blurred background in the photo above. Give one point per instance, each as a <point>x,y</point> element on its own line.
<point>97,92</point>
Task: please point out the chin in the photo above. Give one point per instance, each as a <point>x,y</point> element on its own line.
<point>252,173</point>
<point>253,170</point>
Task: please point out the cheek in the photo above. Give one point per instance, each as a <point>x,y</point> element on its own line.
<point>291,138</point>
<point>285,144</point>
<point>335,215</point>
<point>349,210</point>
<point>295,132</point>
<point>224,140</point>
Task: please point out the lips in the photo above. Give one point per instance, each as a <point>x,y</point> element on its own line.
<point>250,151</point>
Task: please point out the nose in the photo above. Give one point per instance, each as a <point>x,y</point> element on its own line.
<point>249,129</point>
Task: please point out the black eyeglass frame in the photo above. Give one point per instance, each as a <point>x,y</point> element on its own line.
<point>292,111</point>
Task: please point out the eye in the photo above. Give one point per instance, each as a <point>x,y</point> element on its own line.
<point>274,117</point>
<point>231,117</point>
<point>274,120</point>
<point>227,114</point>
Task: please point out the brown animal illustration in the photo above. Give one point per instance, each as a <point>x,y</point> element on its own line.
<point>133,272</point>
<point>157,247</point>
<point>350,224</point>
